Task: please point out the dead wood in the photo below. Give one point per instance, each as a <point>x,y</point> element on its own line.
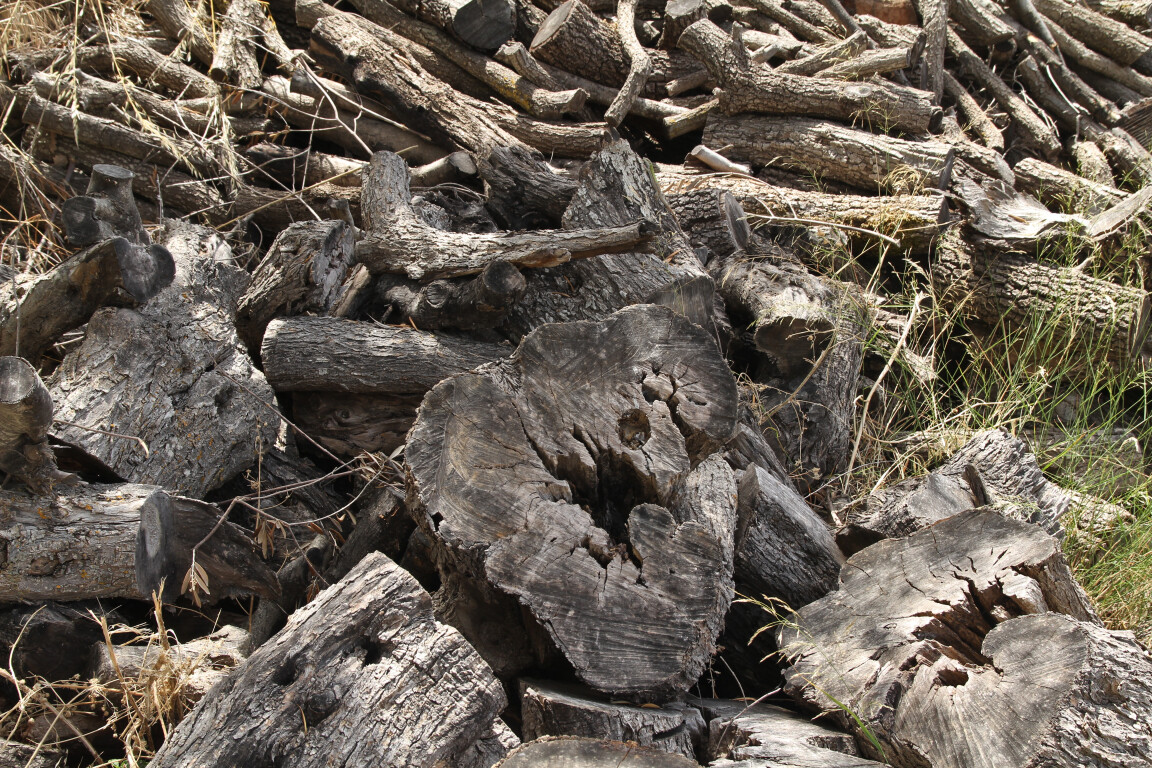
<point>564,751</point>
<point>639,64</point>
<point>482,301</point>
<point>634,553</point>
<point>13,754</point>
<point>825,56</point>
<point>105,211</point>
<point>1064,190</point>
<point>25,421</point>
<point>1110,37</point>
<point>349,423</point>
<point>362,648</point>
<point>522,194</point>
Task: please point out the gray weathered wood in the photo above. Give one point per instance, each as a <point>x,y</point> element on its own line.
<point>576,752</point>
<point>25,421</point>
<point>565,477</point>
<point>362,674</point>
<point>471,303</point>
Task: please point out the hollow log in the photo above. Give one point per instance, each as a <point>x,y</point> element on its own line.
<point>557,709</point>
<point>835,152</point>
<point>745,88</point>
<point>593,478</point>
<point>366,654</point>
<point>303,271</point>
<point>333,354</point>
<point>986,596</point>
<point>1082,311</point>
<point>204,418</point>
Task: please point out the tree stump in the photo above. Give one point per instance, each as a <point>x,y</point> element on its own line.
<point>580,478</point>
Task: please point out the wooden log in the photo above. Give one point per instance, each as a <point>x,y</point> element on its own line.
<point>25,421</point>
<point>469,304</point>
<point>1056,187</point>
<point>985,160</point>
<point>1089,59</point>
<point>678,15</point>
<point>617,187</point>
<point>105,211</point>
<point>558,709</point>
<point>1091,163</point>
<point>348,424</point>
<point>333,354</point>
<point>976,118</point>
<point>235,56</point>
<point>982,24</point>
<point>203,420</point>
<point>957,676</point>
<point>303,271</point>
<point>915,220</point>
<point>745,88</point>
<point>1135,13</point>
<point>713,221</point>
<point>134,57</point>
<point>13,754</point>
<point>185,24</point>
<point>455,168</point>
<point>639,64</point>
<point>482,24</point>
<point>750,734</point>
<point>113,272</point>
<point>565,751</point>
<point>276,210</point>
<point>371,637</point>
<point>521,193</point>
<point>832,151</point>
<point>1108,36</point>
<point>825,56</point>
<point>881,61</point>
<point>992,468</point>
<point>1010,288</point>
<point>398,241</point>
<point>295,578</point>
<point>52,640</point>
<point>800,27</point>
<point>634,555</point>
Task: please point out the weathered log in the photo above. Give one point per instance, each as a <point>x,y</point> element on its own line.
<point>835,152</point>
<point>954,681</point>
<point>294,579</point>
<point>468,304</point>
<point>880,61</point>
<point>203,419</point>
<point>333,354</point>
<point>366,654</point>
<point>1136,13</point>
<point>992,468</point>
<point>557,709</point>
<point>1056,187</point>
<point>25,421</point>
<point>570,751</point>
<point>275,210</point>
<point>916,220</point>
<point>186,24</point>
<point>382,525</point>
<point>399,241</point>
<point>801,28</point>
<point>496,476</point>
<point>521,193</point>
<point>1090,162</point>
<point>746,88</point>
<point>1089,59</point>
<point>52,640</point>
<point>639,64</point>
<point>825,56</point>
<point>678,15</point>
<point>296,168</point>
<point>713,221</point>
<point>348,423</point>
<point>235,57</point>
<point>45,306</point>
<point>134,57</point>
<point>982,24</point>
<point>975,116</point>
<point>1084,312</point>
<point>483,24</point>
<point>105,211</point>
<point>303,271</point>
<point>1110,37</point>
<point>765,734</point>
<point>13,754</point>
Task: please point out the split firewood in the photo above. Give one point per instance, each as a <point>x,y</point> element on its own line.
<point>986,594</point>
<point>331,354</point>
<point>556,709</point>
<point>745,88</point>
<point>122,378</point>
<point>378,617</point>
<point>398,240</point>
<point>657,503</point>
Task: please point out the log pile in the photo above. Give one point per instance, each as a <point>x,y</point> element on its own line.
<point>475,356</point>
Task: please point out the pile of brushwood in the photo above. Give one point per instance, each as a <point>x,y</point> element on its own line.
<point>466,383</point>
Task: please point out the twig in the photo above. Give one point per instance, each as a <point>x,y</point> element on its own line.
<point>139,440</point>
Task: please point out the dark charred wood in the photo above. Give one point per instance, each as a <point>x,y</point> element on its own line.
<point>468,304</point>
<point>332,354</point>
<point>303,272</point>
<point>52,640</point>
<point>105,211</point>
<point>379,618</point>
<point>483,24</point>
<point>745,88</point>
<point>647,514</point>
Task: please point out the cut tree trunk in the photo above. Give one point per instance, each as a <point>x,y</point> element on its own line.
<point>1056,187</point>
<point>483,24</point>
<point>399,241</point>
<point>25,421</point>
<point>572,464</point>
<point>1086,312</point>
<point>830,151</point>
<point>967,617</point>
<point>558,709</point>
<point>713,221</point>
<point>205,414</point>
<point>365,657</point>
<point>326,354</point>
<point>748,88</point>
<point>105,211</point>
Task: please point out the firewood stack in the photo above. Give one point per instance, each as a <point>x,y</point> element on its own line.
<point>412,329</point>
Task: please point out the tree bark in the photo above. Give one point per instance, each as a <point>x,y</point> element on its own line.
<point>521,193</point>
<point>565,751</point>
<point>499,461</point>
<point>470,304</point>
<point>1056,187</point>
<point>365,655</point>
<point>482,24</point>
<point>25,421</point>
<point>1112,38</point>
<point>333,354</point>
<point>348,424</point>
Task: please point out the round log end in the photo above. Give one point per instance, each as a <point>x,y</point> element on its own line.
<point>552,24</point>
<point>485,24</point>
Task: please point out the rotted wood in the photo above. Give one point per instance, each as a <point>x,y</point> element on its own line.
<point>1012,288</point>
<point>986,649</point>
<point>40,308</point>
<point>1057,187</point>
<point>992,468</point>
<point>467,304</point>
<point>569,751</point>
<point>833,151</point>
<point>747,88</point>
<point>521,193</point>
<point>123,378</point>
<point>518,482</point>
<point>615,187</point>
<point>25,421</point>
<point>915,220</point>
<point>366,654</point>
<point>333,354</point>
<point>399,241</point>
<point>558,709</point>
<point>303,271</point>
